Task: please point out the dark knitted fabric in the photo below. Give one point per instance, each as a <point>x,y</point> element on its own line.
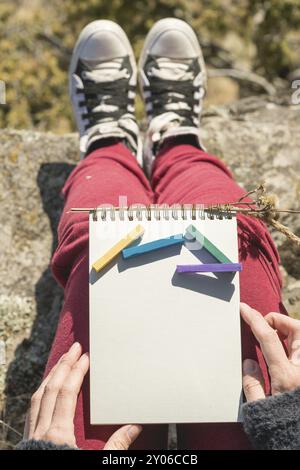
<point>32,444</point>
<point>271,424</point>
<point>274,423</point>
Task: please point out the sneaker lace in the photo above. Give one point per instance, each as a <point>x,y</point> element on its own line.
<point>172,88</point>
<point>105,93</point>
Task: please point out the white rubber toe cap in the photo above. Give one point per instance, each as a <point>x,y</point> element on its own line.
<point>171,38</point>
<point>105,45</point>
<point>101,40</point>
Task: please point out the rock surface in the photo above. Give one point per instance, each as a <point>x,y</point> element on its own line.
<point>257,138</point>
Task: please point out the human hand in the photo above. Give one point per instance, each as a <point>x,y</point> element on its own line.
<point>53,405</point>
<point>284,369</point>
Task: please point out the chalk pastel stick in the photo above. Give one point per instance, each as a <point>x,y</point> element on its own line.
<point>151,246</point>
<point>208,245</point>
<point>118,247</point>
<point>209,268</point>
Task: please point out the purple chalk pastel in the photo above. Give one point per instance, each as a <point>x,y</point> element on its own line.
<point>209,268</point>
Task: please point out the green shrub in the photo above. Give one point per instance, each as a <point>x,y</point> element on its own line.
<point>36,39</point>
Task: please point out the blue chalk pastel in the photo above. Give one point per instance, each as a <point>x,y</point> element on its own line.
<point>152,246</point>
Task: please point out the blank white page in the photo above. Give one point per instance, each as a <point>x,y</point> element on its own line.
<point>164,347</point>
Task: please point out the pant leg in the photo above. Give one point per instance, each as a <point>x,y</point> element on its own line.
<point>184,174</point>
<point>100,178</point>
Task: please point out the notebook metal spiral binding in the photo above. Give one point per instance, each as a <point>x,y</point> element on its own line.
<point>162,212</point>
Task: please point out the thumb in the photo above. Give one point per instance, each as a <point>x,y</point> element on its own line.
<point>253,382</point>
<point>123,437</point>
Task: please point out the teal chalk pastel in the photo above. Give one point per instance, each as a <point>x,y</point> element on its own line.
<point>152,246</point>
<point>208,245</point>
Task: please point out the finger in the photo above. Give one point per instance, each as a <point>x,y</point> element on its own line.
<point>36,398</point>
<point>253,382</point>
<point>287,326</point>
<point>63,416</point>
<point>294,353</point>
<point>52,388</point>
<point>267,337</point>
<point>290,328</point>
<point>123,437</point>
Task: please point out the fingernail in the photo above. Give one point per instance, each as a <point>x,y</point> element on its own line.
<point>245,307</point>
<point>85,356</point>
<point>134,431</point>
<point>75,346</point>
<point>250,366</point>
<point>85,362</point>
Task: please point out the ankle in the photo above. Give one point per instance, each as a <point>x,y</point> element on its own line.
<point>101,143</point>
<point>173,141</point>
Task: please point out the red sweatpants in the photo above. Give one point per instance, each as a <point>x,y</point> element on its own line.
<point>181,174</point>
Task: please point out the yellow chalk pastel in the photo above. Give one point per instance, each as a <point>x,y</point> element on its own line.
<point>116,249</point>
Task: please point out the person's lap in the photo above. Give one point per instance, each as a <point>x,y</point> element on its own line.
<point>182,174</point>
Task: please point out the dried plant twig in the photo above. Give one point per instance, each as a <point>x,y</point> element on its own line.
<point>263,206</point>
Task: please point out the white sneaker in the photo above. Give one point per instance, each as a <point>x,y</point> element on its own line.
<point>102,86</point>
<point>172,78</point>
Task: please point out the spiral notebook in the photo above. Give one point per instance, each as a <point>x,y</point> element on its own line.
<point>164,347</point>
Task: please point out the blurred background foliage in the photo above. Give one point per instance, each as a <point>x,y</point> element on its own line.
<point>37,36</point>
